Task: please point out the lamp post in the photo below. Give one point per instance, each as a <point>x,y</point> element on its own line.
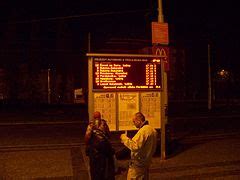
<point>160,11</point>
<point>209,80</point>
<point>49,85</point>
<point>164,95</point>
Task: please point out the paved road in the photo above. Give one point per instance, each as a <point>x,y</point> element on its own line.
<point>208,156</point>
<point>201,148</point>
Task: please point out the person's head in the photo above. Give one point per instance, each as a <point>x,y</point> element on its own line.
<point>97,115</point>
<point>138,119</point>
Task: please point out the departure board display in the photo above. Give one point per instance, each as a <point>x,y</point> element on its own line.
<point>126,73</point>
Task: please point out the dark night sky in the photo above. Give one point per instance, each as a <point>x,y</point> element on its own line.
<point>190,21</point>
<point>53,32</point>
<point>216,18</point>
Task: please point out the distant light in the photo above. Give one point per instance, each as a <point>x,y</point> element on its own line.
<point>222,72</point>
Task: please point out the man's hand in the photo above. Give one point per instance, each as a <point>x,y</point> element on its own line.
<point>88,134</point>
<point>91,126</point>
<point>89,129</point>
<point>123,137</point>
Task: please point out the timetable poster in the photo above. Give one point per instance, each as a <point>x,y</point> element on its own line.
<point>106,104</point>
<point>150,107</point>
<point>128,104</point>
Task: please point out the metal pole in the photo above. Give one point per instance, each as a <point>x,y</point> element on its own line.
<point>89,42</point>
<point>209,80</point>
<point>160,11</point>
<point>90,88</point>
<point>163,94</point>
<point>163,119</point>
<point>48,86</point>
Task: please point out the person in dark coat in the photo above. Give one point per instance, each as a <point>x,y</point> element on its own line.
<point>99,149</point>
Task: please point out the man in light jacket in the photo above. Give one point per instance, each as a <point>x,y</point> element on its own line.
<point>142,146</point>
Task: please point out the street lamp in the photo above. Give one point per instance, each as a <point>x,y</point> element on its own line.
<point>209,80</point>
<point>49,85</point>
<point>223,74</point>
<point>164,95</point>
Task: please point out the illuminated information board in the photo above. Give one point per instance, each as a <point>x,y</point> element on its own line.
<point>126,73</point>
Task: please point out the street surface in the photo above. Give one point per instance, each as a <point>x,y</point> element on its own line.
<point>200,147</point>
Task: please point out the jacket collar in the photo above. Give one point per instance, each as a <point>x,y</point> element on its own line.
<point>144,123</point>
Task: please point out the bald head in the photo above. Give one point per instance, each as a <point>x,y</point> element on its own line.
<point>138,119</point>
<point>97,115</point>
<point>140,116</point>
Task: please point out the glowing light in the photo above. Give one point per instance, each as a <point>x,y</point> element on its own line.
<point>127,73</point>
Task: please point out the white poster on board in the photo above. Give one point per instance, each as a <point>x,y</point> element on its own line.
<point>128,105</point>
<point>106,104</point>
<point>151,108</point>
